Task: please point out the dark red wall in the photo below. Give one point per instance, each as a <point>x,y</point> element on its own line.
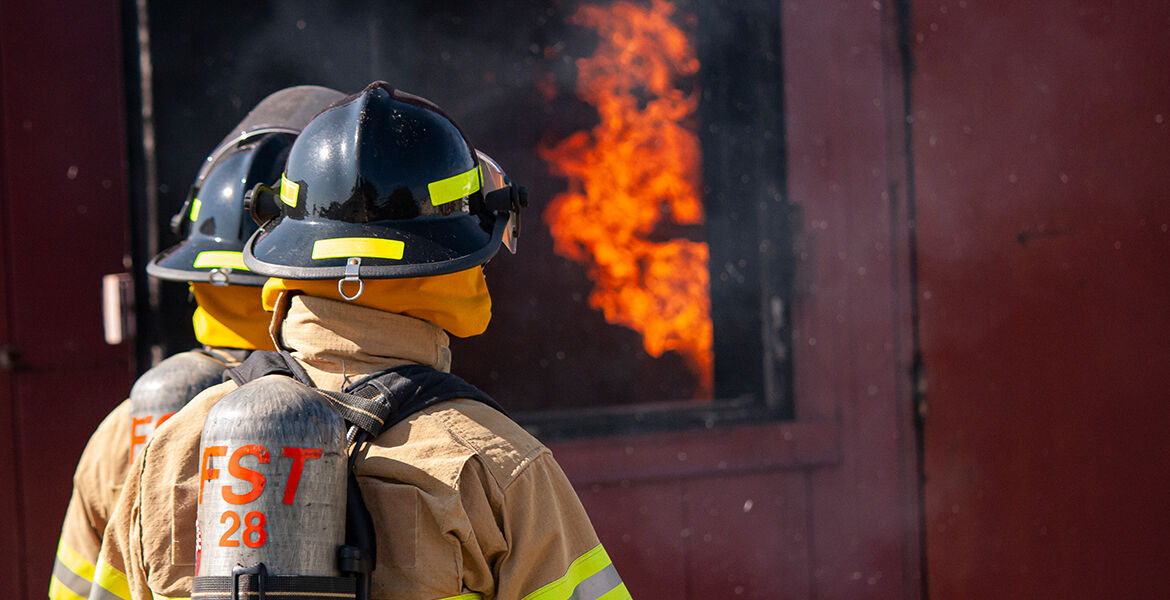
<point>63,207</point>
<point>1042,152</point>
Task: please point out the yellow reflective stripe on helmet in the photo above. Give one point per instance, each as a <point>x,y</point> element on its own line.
<point>289,191</point>
<point>471,596</point>
<point>60,591</point>
<point>590,577</point>
<point>195,206</point>
<point>367,247</point>
<point>454,187</point>
<point>220,258</point>
<point>109,583</point>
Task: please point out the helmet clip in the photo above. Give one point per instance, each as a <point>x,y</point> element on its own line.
<point>260,203</point>
<point>184,212</point>
<point>351,275</point>
<point>219,276</point>
<point>508,199</point>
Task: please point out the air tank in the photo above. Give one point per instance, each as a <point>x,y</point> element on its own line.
<point>164,389</point>
<point>272,488</point>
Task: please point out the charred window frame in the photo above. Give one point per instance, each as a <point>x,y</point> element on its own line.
<point>198,95</point>
<point>749,229</point>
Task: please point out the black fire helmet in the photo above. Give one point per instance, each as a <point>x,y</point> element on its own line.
<point>215,218</point>
<point>382,185</point>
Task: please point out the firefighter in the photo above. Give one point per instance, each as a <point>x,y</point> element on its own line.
<point>375,258</point>
<point>228,321</point>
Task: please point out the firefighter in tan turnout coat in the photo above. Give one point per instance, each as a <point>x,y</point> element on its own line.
<point>387,214</point>
<point>229,320</point>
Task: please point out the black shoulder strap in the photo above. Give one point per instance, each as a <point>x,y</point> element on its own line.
<point>267,362</point>
<point>375,402</point>
<point>229,357</point>
<point>378,401</point>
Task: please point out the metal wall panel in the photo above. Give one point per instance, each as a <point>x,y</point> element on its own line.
<point>49,453</point>
<point>749,537</point>
<point>735,535</point>
<point>1042,147</point>
<point>852,334</point>
<point>62,227</point>
<point>10,548</point>
<point>640,524</point>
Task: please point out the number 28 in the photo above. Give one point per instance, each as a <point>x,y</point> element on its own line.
<point>254,534</point>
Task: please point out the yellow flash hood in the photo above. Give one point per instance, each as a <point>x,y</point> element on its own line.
<point>231,317</point>
<point>458,302</point>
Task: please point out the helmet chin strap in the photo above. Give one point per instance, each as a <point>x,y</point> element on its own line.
<point>351,274</point>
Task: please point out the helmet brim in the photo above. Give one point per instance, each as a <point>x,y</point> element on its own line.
<point>177,263</point>
<point>284,247</point>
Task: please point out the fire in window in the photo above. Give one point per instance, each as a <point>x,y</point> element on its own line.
<point>639,167</point>
<point>650,286</point>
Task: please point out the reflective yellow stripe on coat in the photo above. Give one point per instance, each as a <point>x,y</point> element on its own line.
<point>109,584</point>
<point>591,577</point>
<point>72,575</point>
<point>59,591</point>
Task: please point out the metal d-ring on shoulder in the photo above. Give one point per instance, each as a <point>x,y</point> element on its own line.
<point>351,274</point>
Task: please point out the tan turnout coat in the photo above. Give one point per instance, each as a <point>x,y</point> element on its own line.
<point>466,504</point>
<point>96,485</point>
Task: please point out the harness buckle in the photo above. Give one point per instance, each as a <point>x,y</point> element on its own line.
<point>261,573</point>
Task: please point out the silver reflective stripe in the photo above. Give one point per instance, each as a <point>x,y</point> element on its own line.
<point>597,585</point>
<point>98,592</point>
<point>76,583</point>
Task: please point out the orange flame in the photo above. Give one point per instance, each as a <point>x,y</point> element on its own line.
<point>638,167</point>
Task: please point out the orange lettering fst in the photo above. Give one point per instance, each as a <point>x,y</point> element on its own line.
<point>245,474</point>
<point>206,473</point>
<point>299,456</point>
<point>137,439</point>
<point>163,419</point>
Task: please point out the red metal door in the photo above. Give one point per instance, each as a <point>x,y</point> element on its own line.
<point>1043,169</point>
<point>62,226</point>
